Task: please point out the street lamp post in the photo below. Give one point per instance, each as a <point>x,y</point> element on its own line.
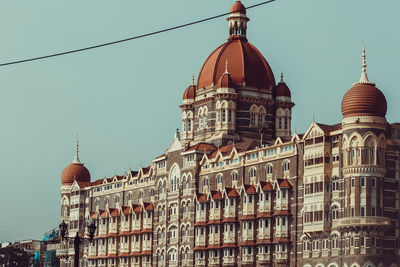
<point>77,239</point>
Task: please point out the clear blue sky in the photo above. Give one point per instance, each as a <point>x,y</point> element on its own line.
<point>123,100</point>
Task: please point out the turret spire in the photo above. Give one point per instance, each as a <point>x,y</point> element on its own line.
<point>193,79</point>
<point>282,77</point>
<point>364,77</point>
<point>76,159</point>
<point>226,67</point>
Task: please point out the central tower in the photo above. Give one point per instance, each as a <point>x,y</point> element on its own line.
<point>236,97</point>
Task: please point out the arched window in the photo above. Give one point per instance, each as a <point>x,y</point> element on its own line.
<point>117,199</point>
<point>334,212</point>
<point>140,194</point>
<point>269,169</point>
<point>335,241</point>
<point>152,192</point>
<point>172,255</point>
<point>315,243</point>
<point>253,172</point>
<point>173,232</point>
<point>219,179</point>
<point>234,176</point>
<point>305,241</point>
<point>335,183</point>
<point>205,182</point>
<point>286,166</point>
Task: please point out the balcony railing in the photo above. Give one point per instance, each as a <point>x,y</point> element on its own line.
<point>364,221</point>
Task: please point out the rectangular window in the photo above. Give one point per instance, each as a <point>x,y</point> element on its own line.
<point>353,180</point>
<point>373,211</point>
<point>362,211</point>
<point>362,181</point>
<point>373,182</point>
<point>351,241</point>
<point>362,241</point>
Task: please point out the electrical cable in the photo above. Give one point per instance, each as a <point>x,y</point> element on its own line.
<point>127,39</point>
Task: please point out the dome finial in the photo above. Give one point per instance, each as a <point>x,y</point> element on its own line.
<point>76,159</point>
<point>193,79</point>
<point>237,20</point>
<point>282,77</point>
<point>364,77</point>
<point>226,67</point>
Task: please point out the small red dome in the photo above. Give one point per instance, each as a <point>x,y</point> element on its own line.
<point>226,81</point>
<point>245,64</point>
<point>238,7</point>
<point>283,90</point>
<point>190,92</point>
<point>364,99</point>
<point>75,171</point>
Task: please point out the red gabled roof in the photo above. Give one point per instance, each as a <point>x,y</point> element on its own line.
<point>124,233</point>
<point>263,241</point>
<point>103,213</point>
<point>126,210</point>
<point>247,243</point>
<point>247,218</point>
<point>229,220</point>
<point>148,206</point>
<point>282,240</point>
<point>163,155</point>
<point>97,182</point>
<point>201,197</point>
<point>282,213</point>
<point>123,255</point>
<point>250,189</point>
<point>200,224</point>
<point>93,215</point>
<point>146,253</point>
<point>214,222</point>
<point>114,212</point>
<point>231,192</point>
<point>329,128</point>
<point>266,186</point>
<point>216,195</point>
<point>136,208</point>
<point>202,147</point>
<point>264,215</point>
<point>200,248</point>
<point>146,170</point>
<point>284,183</point>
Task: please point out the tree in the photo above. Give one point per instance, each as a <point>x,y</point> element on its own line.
<point>11,256</point>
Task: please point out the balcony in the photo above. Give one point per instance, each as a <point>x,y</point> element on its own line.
<point>61,252</point>
<point>318,226</point>
<point>228,260</point>
<point>214,261</point>
<point>201,216</point>
<point>247,259</point>
<point>200,262</point>
<point>147,223</point>
<point>230,238</point>
<point>352,222</point>
<point>263,258</point>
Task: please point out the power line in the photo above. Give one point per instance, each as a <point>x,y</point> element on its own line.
<point>127,39</point>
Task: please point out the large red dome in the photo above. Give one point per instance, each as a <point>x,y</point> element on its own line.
<point>245,65</point>
<point>364,99</point>
<point>75,171</point>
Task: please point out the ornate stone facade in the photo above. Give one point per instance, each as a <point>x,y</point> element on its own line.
<point>238,189</point>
